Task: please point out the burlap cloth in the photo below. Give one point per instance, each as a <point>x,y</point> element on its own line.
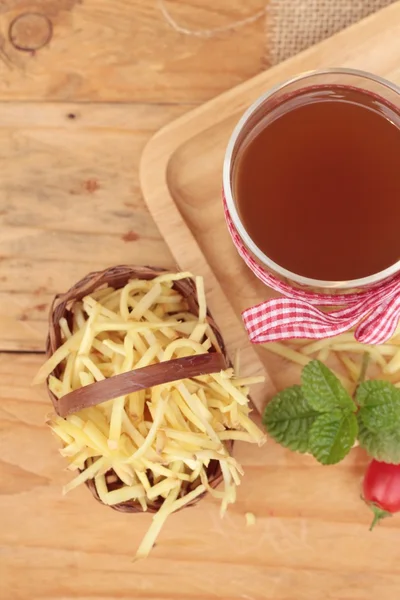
<point>293,25</point>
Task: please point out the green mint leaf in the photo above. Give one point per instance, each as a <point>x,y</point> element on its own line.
<point>323,389</point>
<point>380,405</point>
<point>382,445</point>
<point>288,418</point>
<point>332,436</point>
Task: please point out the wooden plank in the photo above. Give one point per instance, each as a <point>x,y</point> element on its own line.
<point>70,203</point>
<point>181,174</point>
<point>122,50</point>
<point>310,539</point>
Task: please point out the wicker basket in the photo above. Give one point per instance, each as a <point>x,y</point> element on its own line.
<point>118,277</point>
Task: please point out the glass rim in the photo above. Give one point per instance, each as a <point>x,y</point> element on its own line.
<point>231,206</point>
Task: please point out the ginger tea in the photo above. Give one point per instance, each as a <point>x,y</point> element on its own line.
<point>317,183</point>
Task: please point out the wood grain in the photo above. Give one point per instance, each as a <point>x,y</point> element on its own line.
<point>124,50</point>
<point>181,174</point>
<point>70,203</point>
<point>310,539</point>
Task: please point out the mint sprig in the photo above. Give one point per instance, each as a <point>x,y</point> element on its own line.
<point>379,403</point>
<point>381,445</point>
<point>288,419</point>
<point>332,436</point>
<point>321,418</point>
<point>323,389</point>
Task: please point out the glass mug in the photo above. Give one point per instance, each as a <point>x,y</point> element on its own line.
<point>332,118</point>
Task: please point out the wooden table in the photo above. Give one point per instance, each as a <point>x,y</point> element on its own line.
<point>83,63</point>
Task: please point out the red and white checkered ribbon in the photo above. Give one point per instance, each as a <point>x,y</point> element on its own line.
<point>375,312</point>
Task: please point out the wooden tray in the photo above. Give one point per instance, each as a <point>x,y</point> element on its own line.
<point>181,173</point>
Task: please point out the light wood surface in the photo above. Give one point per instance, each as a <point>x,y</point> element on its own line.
<point>70,202</point>
<point>181,174</point>
<point>125,50</point>
<point>310,540</point>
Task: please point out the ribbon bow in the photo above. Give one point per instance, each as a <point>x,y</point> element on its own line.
<point>375,311</point>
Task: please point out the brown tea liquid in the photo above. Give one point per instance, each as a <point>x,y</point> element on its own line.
<point>317,184</point>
